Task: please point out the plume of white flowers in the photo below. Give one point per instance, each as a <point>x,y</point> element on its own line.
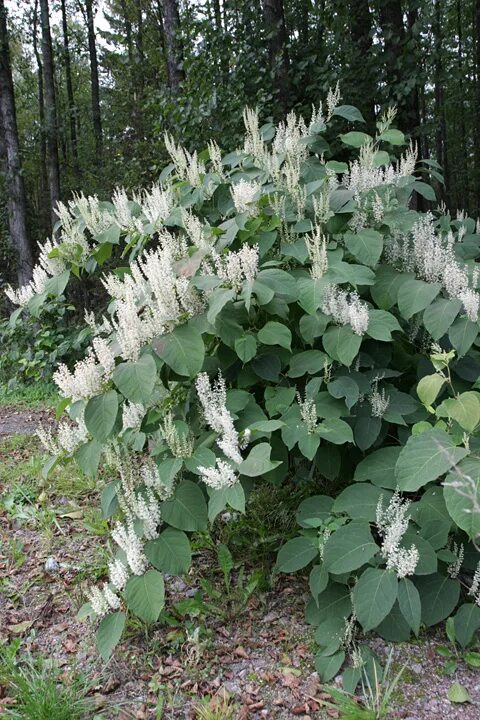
<point>364,175</point>
<point>221,476</point>
<point>216,158</point>
<point>213,398</point>
<point>454,567</point>
<point>96,219</point>
<point>180,445</point>
<point>317,252</point>
<point>118,573</point>
<point>187,165</point>
<point>133,414</point>
<point>128,540</point>
<point>157,204</point>
<point>254,144</point>
<point>392,524</point>
<point>84,382</point>
<point>308,412</point>
<point>234,268</point>
<point>378,400</point>
<point>474,590</point>
<point>244,194</point>
<point>124,216</point>
<point>346,308</point>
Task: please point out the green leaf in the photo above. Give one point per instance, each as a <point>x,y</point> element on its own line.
<point>145,595</point>
<point>416,295</point>
<point>429,387</point>
<point>439,597</point>
<point>425,190</point>
<point>188,509</point>
<point>258,461</point>
<point>355,139</point>
<point>333,603</point>
<point>170,552</point>
<point>296,554</point>
<point>462,335</point>
<point>88,457</point>
<point>342,344</point>
<point>335,431</point>
<point>349,112</point>
<point>426,457</point>
<point>466,623</point>
<point>410,604</point>
<point>318,580</point>
<point>109,499</point>
<point>310,293</point>
<point>458,694</point>
<point>100,415</point>
<point>366,246</point>
<point>109,633</point>
<point>218,299</point>
<point>349,547</point>
<point>246,347</point>
<point>308,362</point>
<point>314,510</point>
<point>374,595</point>
<point>379,467</point>
<point>462,506</point>
<point>360,501</point>
<point>345,387</point>
<point>328,667</point>
<point>393,136</point>
<point>183,350</point>
<point>381,324</point>
<point>136,380</point>
<point>464,408</point>
<point>274,333</point>
<point>439,316</point>
<point>387,284</point>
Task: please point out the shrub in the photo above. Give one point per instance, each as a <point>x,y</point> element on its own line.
<point>291,317</point>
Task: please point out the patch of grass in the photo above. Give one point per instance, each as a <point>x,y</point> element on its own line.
<point>36,395</point>
<point>217,708</point>
<point>37,690</point>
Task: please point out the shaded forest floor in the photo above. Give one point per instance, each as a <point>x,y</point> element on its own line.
<point>248,654</point>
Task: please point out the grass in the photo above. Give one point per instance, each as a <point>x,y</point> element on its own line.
<point>29,396</point>
<point>37,691</point>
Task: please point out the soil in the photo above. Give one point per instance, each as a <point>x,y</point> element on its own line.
<point>21,420</point>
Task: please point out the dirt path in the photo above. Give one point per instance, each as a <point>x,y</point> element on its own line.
<point>23,420</point>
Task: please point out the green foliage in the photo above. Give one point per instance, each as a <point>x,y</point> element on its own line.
<point>309,331</point>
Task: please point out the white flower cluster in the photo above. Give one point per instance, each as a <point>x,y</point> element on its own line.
<point>346,308</point>
<point>124,217</point>
<point>180,445</point>
<point>96,219</point>
<point>474,590</point>
<point>364,175</point>
<point>432,258</point>
<point>216,158</point>
<point>221,476</point>
<point>102,601</point>
<point>308,412</point>
<point>378,400</point>
<point>69,436</point>
<point>234,268</point>
<point>455,566</point>
<point>317,252</point>
<point>244,194</point>
<point>156,203</point>
<point>213,398</point>
<point>196,231</point>
<point>133,414</point>
<point>187,166</point>
<point>84,382</point>
<point>392,524</point>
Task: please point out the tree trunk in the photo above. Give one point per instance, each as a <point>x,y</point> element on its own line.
<point>173,45</point>
<point>95,86</point>
<point>8,128</point>
<point>277,38</point>
<point>43,203</point>
<point>72,110</point>
<point>53,169</point>
<point>441,135</point>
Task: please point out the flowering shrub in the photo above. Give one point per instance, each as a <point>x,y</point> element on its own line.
<point>284,310</point>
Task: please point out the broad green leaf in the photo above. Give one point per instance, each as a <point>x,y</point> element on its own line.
<point>170,552</point>
<point>246,348</point>
<point>136,380</point>
<point>349,547</point>
<point>355,139</point>
<point>88,457</point>
<point>410,604</point>
<point>462,502</point>
<point>426,457</point>
<point>374,595</point>
<point>109,499</point>
<point>219,298</point>
<point>109,633</point>
<point>314,510</point>
<point>333,603</point>
<point>258,461</point>
<point>308,362</point>
<point>429,387</point>
<point>366,246</point>
<point>425,190</point>
<point>387,284</point>
<point>275,333</point>
<point>349,112</point>
<point>379,467</point>
<point>440,315</point>
<point>458,693</point>
<point>296,554</point>
<point>100,415</point>
<point>187,510</point>
<point>381,324</point>
<point>464,408</point>
<point>312,326</point>
<point>462,335</point>
<point>394,628</point>
<point>328,667</point>
<point>335,431</point>
<point>145,595</point>
<point>360,501</point>
<point>318,580</point>
<point>342,344</point>
<point>466,623</point>
<point>416,295</point>
<point>393,136</point>
<point>182,350</point>
<point>345,387</point>
<point>439,594</point>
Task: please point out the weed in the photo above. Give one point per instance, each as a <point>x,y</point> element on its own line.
<point>37,395</point>
<point>218,707</point>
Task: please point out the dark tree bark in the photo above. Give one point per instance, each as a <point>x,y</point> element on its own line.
<point>72,110</point>
<point>43,203</point>
<point>361,75</point>
<point>95,85</point>
<point>17,208</point>
<point>171,24</point>
<point>277,38</point>
<point>51,128</point>
<point>441,134</point>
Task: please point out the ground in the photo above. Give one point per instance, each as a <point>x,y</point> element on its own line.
<point>248,653</point>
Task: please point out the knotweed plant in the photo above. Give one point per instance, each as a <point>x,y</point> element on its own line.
<point>271,316</point>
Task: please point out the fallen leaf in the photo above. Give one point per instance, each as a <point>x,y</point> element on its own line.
<point>240,651</point>
<point>21,627</point>
<point>458,694</point>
